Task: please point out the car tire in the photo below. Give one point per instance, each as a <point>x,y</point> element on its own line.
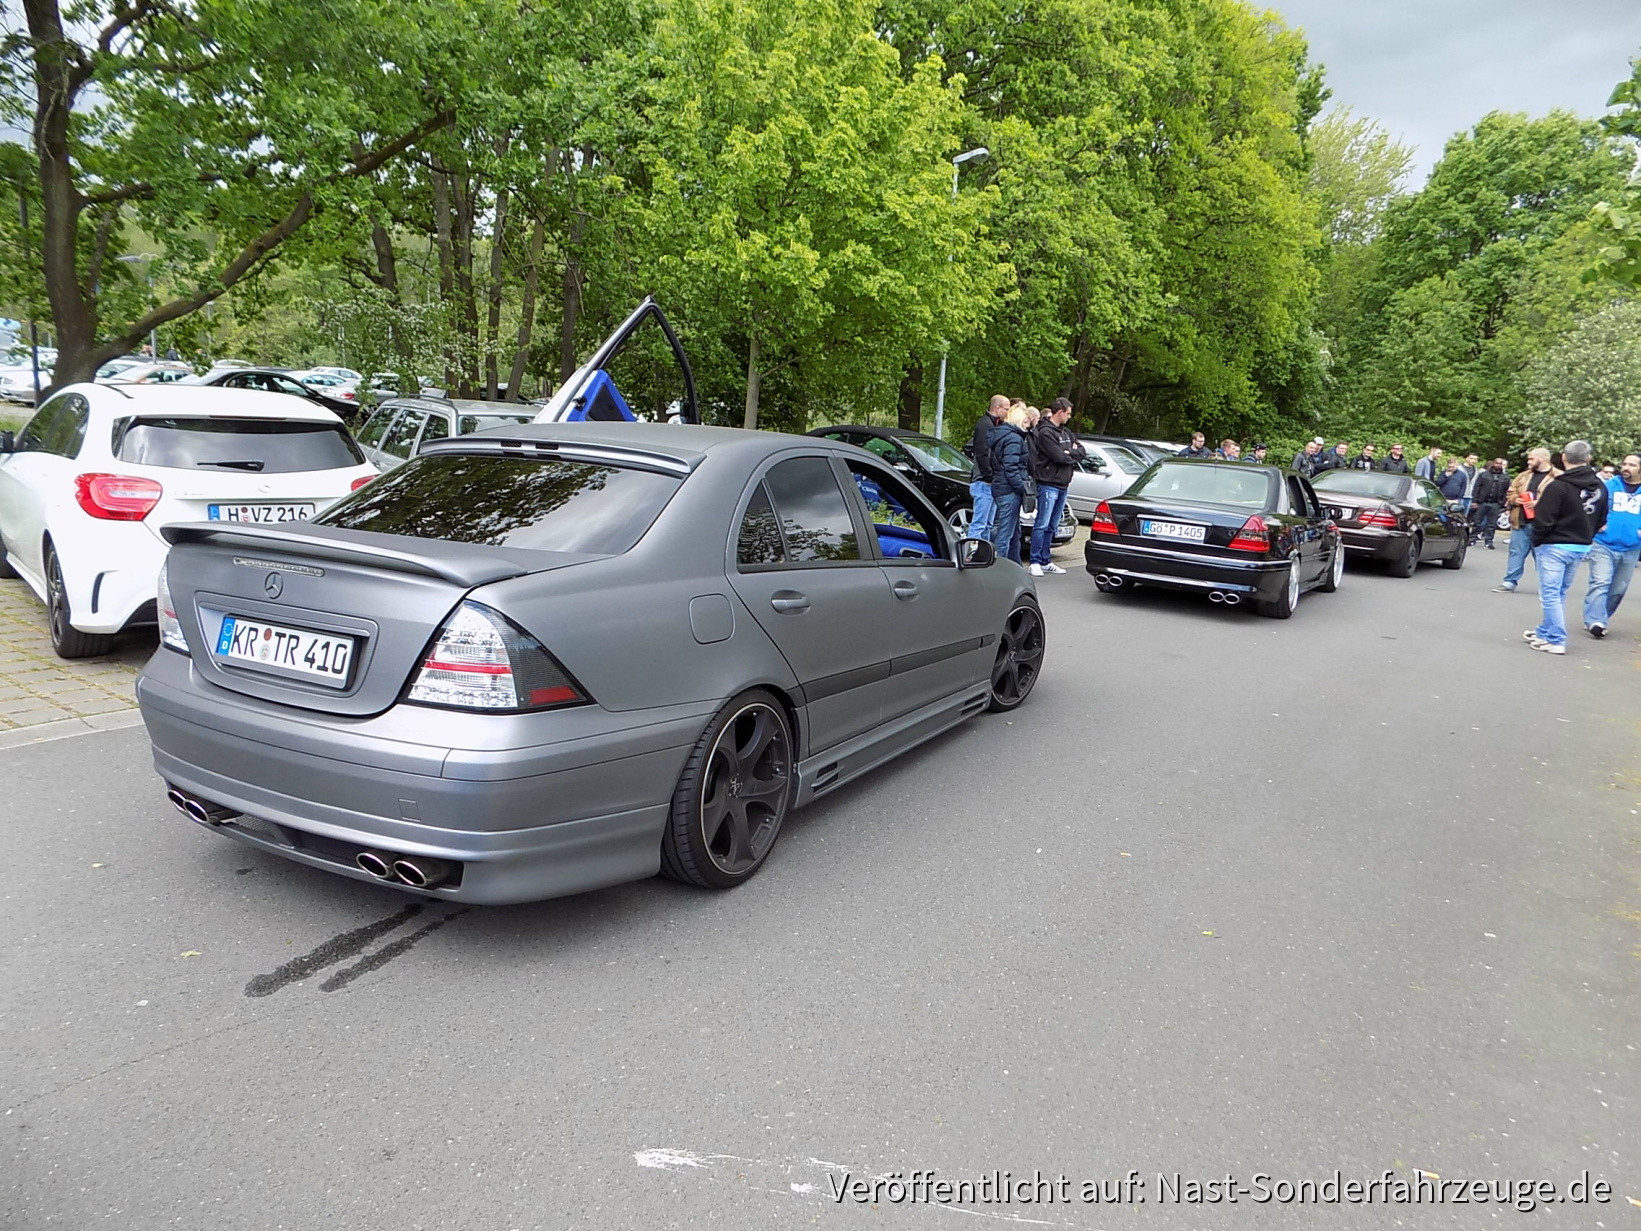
<point>1284,604</point>
<point>68,641</point>
<point>1409,562</point>
<point>718,832</point>
<point>1456,560</point>
<point>1019,659</point>
<point>6,570</point>
<point>1336,570</point>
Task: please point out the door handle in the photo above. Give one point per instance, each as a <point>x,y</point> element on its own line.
<point>905,590</point>
<point>789,602</point>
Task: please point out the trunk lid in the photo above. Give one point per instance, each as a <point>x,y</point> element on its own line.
<point>366,603</point>
<point>1172,523</point>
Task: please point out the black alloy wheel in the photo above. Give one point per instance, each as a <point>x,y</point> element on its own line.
<point>1019,657</point>
<point>733,797</point>
<point>1409,563</point>
<point>68,641</point>
<point>1456,560</point>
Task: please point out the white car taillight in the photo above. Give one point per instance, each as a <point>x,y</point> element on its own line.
<point>481,661</point>
<point>170,627</point>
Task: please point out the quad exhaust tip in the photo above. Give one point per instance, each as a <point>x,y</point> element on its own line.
<point>378,863</point>
<point>1229,597</point>
<point>198,809</point>
<point>1109,580</point>
<point>420,872</point>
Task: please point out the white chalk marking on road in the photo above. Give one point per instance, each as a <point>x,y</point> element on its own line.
<point>668,1160</point>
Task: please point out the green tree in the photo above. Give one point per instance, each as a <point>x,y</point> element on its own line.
<point>1619,218</point>
<point>1588,386</point>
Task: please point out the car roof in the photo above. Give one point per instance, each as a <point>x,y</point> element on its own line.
<point>687,442</point>
<point>875,431</point>
<point>200,401</point>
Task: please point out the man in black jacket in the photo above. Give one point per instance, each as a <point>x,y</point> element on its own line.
<point>1396,463</point>
<point>1054,461</point>
<point>980,476</point>
<point>1365,460</point>
<point>1487,500</point>
<point>1198,448</point>
<point>1570,511</point>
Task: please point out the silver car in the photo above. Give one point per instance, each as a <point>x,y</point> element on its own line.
<point>401,426</point>
<point>549,658</point>
<point>1108,470</point>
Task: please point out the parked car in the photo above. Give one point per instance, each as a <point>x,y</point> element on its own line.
<point>276,380</point>
<point>541,661</point>
<point>398,428</point>
<point>939,470</point>
<point>1147,451</point>
<point>124,363</point>
<point>94,477</point>
<point>1234,531</point>
<point>22,385</point>
<point>1399,519</point>
<point>1108,470</point>
<point>347,375</point>
<point>149,372</point>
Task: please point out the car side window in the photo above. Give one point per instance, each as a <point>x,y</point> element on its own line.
<point>68,432</point>
<point>1313,507</point>
<point>813,516</point>
<point>371,434</point>
<point>888,450</point>
<point>905,529</point>
<point>759,541</point>
<point>278,384</point>
<point>1428,496</point>
<point>402,435</point>
<point>34,435</point>
<point>438,428</point>
<point>1291,499</point>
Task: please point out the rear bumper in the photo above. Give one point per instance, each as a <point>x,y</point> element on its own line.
<point>1261,579</point>
<point>534,821</point>
<point>1375,543</point>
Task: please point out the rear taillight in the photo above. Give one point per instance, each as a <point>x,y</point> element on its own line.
<point>117,497</point>
<point>170,627</point>
<point>482,661</point>
<point>1253,536</point>
<point>358,483</point>
<point>1380,516</point>
<point>1103,522</point>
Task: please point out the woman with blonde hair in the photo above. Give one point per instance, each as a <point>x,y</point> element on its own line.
<point>1010,469</point>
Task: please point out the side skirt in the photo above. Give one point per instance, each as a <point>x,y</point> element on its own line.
<point>849,760</point>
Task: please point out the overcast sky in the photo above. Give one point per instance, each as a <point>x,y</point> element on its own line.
<point>1427,69</point>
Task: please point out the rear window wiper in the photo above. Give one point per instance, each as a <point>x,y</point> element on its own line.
<point>250,463</point>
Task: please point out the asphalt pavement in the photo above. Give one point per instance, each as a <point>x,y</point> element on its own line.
<point>1355,893</point>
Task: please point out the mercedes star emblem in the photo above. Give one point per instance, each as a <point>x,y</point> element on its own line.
<point>272,586</point>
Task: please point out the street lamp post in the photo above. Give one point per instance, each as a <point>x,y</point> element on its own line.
<point>940,391</point>
<point>148,259</point>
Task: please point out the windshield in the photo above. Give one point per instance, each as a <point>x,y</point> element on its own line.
<point>1361,483</point>
<point>543,504</point>
<point>1129,462</point>
<point>1204,483</point>
<point>935,454</point>
<point>266,446</point>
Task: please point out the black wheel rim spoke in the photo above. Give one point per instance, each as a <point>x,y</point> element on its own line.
<point>1019,653</point>
<point>744,798</point>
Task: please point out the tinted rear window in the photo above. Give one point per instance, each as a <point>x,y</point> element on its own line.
<point>547,505</point>
<point>479,423</point>
<point>1361,483</point>
<point>1200,483</point>
<point>281,447</point>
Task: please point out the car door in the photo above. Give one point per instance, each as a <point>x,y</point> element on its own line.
<point>1323,537</point>
<point>438,427</point>
<point>801,571</point>
<point>1440,524</point>
<point>399,440</point>
<point>39,475</point>
<point>1305,527</point>
<point>935,640</point>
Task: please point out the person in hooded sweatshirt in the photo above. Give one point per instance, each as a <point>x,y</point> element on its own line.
<point>1571,510</point>
<point>1010,471</point>
<point>1614,553</point>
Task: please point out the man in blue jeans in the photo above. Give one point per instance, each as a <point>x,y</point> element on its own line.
<point>1570,511</point>
<point>1054,461</point>
<point>1523,492</point>
<point>1616,548</point>
<point>980,476</point>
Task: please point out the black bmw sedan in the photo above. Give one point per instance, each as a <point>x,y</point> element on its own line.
<point>1233,531</point>
<point>1399,519</point>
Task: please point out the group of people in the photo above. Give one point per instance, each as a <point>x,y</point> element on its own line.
<point>1563,518</point>
<point>1014,446</point>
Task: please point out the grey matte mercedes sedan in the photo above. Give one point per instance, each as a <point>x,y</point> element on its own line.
<point>550,658</point>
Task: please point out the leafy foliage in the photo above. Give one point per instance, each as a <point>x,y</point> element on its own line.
<point>1588,386</point>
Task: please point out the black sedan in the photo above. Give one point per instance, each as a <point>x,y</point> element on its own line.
<point>275,380</point>
<point>938,470</point>
<point>1231,530</point>
<point>1397,518</point>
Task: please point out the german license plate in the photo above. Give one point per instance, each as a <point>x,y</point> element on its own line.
<point>1337,513</point>
<point>323,657</point>
<point>259,512</point>
<point>1171,530</point>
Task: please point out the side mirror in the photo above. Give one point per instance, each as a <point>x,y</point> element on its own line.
<point>8,443</point>
<point>905,467</point>
<point>975,553</point>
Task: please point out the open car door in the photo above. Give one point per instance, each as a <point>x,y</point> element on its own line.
<point>656,384</point>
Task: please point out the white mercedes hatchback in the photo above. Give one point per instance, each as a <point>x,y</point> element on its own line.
<point>87,486</point>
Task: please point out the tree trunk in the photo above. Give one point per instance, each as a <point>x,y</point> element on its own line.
<point>447,260</point>
<point>911,396</point>
<point>387,263</point>
<point>492,320</point>
<point>527,309</point>
<point>464,192</point>
<point>753,377</point>
<point>572,275</point>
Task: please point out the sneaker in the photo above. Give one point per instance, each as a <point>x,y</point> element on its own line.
<point>1548,648</point>
<point>1598,631</point>
<point>1532,638</point>
<point>1052,568</point>
<point>1036,570</point>
<point>1490,547</point>
<point>1508,587</point>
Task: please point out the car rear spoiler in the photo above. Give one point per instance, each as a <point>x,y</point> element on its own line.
<point>463,564</point>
